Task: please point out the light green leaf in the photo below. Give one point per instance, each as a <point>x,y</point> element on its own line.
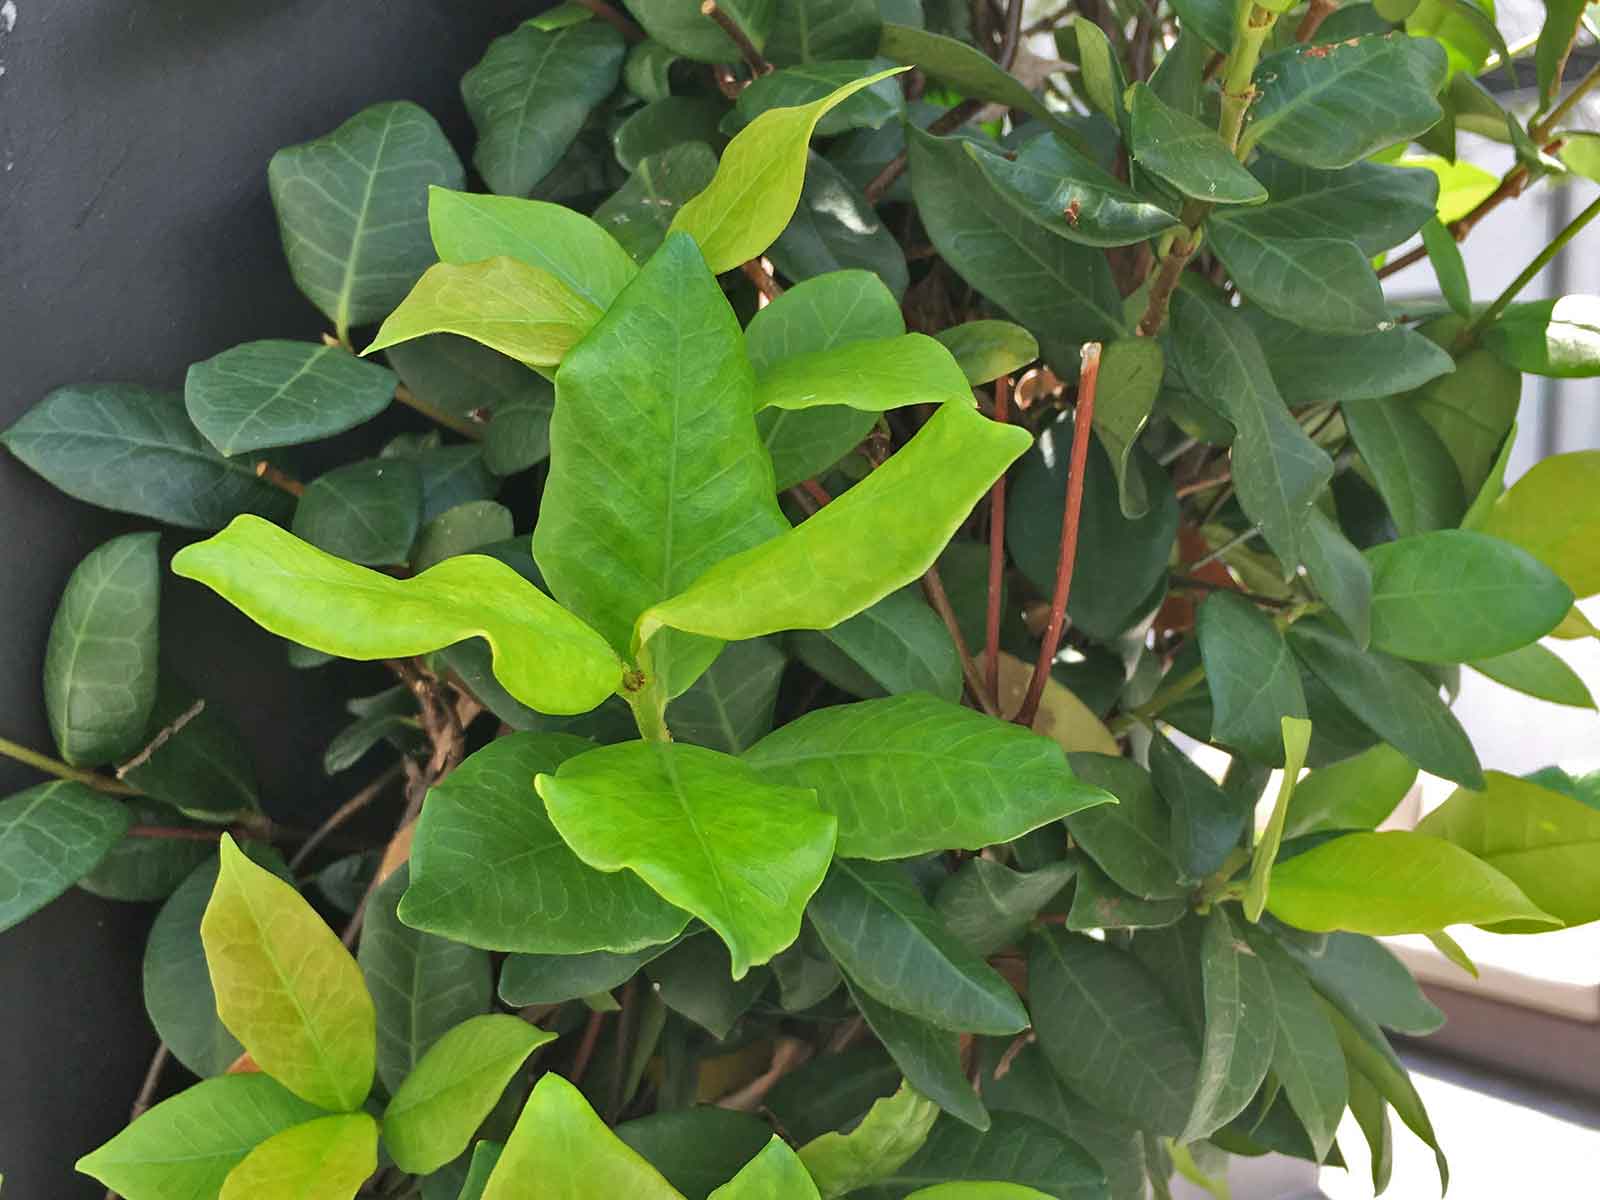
<point>986,350</point>
<point>1252,677</point>
<point>1330,106</point>
<point>1109,1033</point>
<point>880,535</point>
<point>520,310</point>
<point>468,228</point>
<point>777,1173</point>
<point>911,775</point>
<point>488,867</point>
<point>639,213</point>
<point>987,906</point>
<point>684,29</point>
<point>100,661</point>
<point>50,837</point>
<point>560,1150</point>
<point>1545,843</point>
<point>891,1132</point>
<point>730,707</point>
<point>872,375</point>
<point>453,1087</point>
<point>881,932</point>
<point>531,93</point>
<point>656,474</point>
<point>1357,793</point>
<point>836,228</point>
<point>1190,156</point>
<point>421,985</point>
<point>1129,840</point>
<point>187,1145</point>
<point>758,182</point>
<point>543,655</point>
<point>1306,1057</point>
<point>703,830</point>
<point>352,209</point>
<point>561,16</point>
<point>328,1158</point>
<point>1296,740</point>
<point>133,450</point>
<point>1131,370</point>
<point>1241,1027</point>
<point>1553,512</point>
<point>365,512</point>
<point>1448,267</point>
<point>1277,469</point>
<point>1581,153</point>
<point>285,986</point>
<point>1538,672</point>
<point>1103,81</point>
<point>964,68</point>
<point>1319,283</point>
<point>1389,883</point>
<point>1410,464</point>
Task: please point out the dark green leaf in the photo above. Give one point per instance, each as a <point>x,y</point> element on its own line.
<point>835,228</point>
<point>1190,156</point>
<point>1306,1058</point>
<point>696,1148</point>
<point>556,978</point>
<point>986,350</point>
<point>202,767</point>
<point>903,646</point>
<point>694,978</point>
<point>808,30</point>
<point>1361,975</point>
<point>1411,466</point>
<point>50,837</point>
<point>1207,821</point>
<point>1472,408</point>
<point>987,906</point>
<point>1016,1149</point>
<point>886,1137</point>
<point>1241,1026</point>
<point>1211,19</point>
<point>1097,903</point>
<point>663,124</point>
<point>1103,81</point>
<point>1339,575</point>
<point>461,376</point>
<point>1374,205</point>
<point>1252,677</point>
<point>1448,267</point>
<point>1536,671</point>
<point>806,974</point>
<point>964,68</point>
<point>1318,283</point>
<point>1313,368</point>
<point>460,530</point>
<point>830,1091</point>
<point>367,512</point>
<point>729,708</point>
<point>928,1056</point>
<point>1131,373</point>
<point>1559,338</point>
<point>639,213</point>
<point>684,29</point>
<point>147,868</point>
<point>868,109</point>
<point>1128,839</point>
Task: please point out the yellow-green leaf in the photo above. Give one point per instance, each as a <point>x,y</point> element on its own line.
<point>1553,512</point>
<point>874,375</point>
<point>774,1174</point>
<point>326,1159</point>
<point>1296,741</point>
<point>892,1131</point>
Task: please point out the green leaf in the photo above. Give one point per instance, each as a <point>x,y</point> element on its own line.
<point>1389,883</point>
<point>285,986</point>
<point>703,830</point>
<point>1452,596</point>
<point>832,1091</point>
<point>808,30</point>
<point>556,978</point>
<point>639,213</point>
<point>50,837</point>
<point>966,69</point>
<point>1241,1026</point>
<point>775,1174</point>
<point>696,1149</point>
<point>791,87</point>
<point>531,93</point>
<point>1213,20</point>
<point>867,538</point>
<point>836,228</point>
<point>929,1057</point>
<point>1065,191</point>
<point>730,707</point>
<point>1472,408</point>
<point>453,1087</point>
<point>1097,903</point>
<point>1339,575</point>
<point>1296,740</point>
<point>668,122</point>
<point>187,1145</point>
<point>892,1131</point>
<point>1251,674</point>
<point>1060,291</point>
<point>1581,153</point>
<point>1318,368</point>
<point>1330,106</point>
<point>694,979</point>
<point>1358,793</point>
<point>1128,839</point>
<point>872,375</point>
<point>1277,469</point>
<point>1545,843</point>
<point>421,985</point>
<point>328,1158</point>
<point>365,512</point>
<point>1207,821</point>
<point>489,868</point>
<point>1363,977</point>
<point>656,474</point>
<point>1132,370</point>
<point>1319,283</point>
<point>1374,205</point>
<point>1108,1032</point>
<point>1103,81</point>
<point>281,393</point>
<point>202,767</point>
<point>1306,1057</point>
<point>1538,672</point>
<point>1190,156</point>
<point>543,655</point>
<point>1559,338</point>
<point>912,775</point>
<point>467,229</point>
<point>881,932</point>
<point>1409,462</point>
<point>130,449</point>
<point>1552,512</point>
<point>979,1191</point>
<point>352,209</point>
<point>146,868</point>
<point>460,530</point>
<point>522,311</point>
<point>758,181</point>
<point>1017,1158</point>
<point>987,906</point>
<point>1448,267</point>
<point>903,646</point>
<point>684,29</point>
<point>100,661</point>
<point>986,350</point>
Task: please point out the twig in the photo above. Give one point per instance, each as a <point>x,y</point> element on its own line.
<point>997,553</point>
<point>747,49</point>
<point>1318,12</point>
<point>933,589</point>
<point>616,20</point>
<point>1483,320</point>
<point>1012,35</point>
<point>284,483</point>
<point>162,738</point>
<point>53,766</point>
<point>591,1037</point>
<point>952,120</point>
<point>787,1054</point>
<point>343,813</point>
<point>817,493</point>
<point>760,274</point>
<point>1082,423</point>
<point>465,426</point>
<point>175,833</point>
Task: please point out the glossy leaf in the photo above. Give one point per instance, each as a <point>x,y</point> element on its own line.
<point>962,67</point>
<point>729,223</point>
<point>286,988</point>
<point>639,213</point>
<point>891,1132</point>
<point>1241,1026</point>
<point>531,93</point>
<point>987,906</point>
<point>1207,821</point>
<point>1374,205</point>
<point>910,774</point>
<point>1410,464</point>
<point>1129,840</point>
<point>1551,512</point>
<point>684,29</point>
<point>777,1173</point>
<point>1538,672</point>
<point>1190,156</point>
<point>986,350</point>
<point>703,830</point>
<point>902,646</point>
<point>100,660</point>
<point>1451,596</point>
<point>1330,106</point>
<point>872,375</point>
<point>1251,674</point>
<point>453,1087</point>
<point>366,512</point>
<point>1545,843</point>
<point>1131,374</point>
<point>133,450</point>
<point>421,985</point>
<point>1017,1158</point>
<point>807,30</point>
<point>1363,976</point>
<point>730,707</point>
<point>1312,368</point>
<point>213,1125</point>
<point>1306,1057</point>
<point>928,1057</point>
<point>50,837</point>
<point>1389,883</point>
<point>1319,283</point>
<point>836,228</point>
<point>1358,793</point>
<point>328,1158</point>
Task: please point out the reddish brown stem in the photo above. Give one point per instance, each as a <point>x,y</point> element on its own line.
<point>756,271</point>
<point>1318,12</point>
<point>279,480</point>
<point>591,1037</point>
<point>816,491</point>
<point>747,49</point>
<point>174,833</point>
<point>1082,422</point>
<point>615,19</point>
<point>933,589</point>
<point>997,553</point>
<point>343,813</point>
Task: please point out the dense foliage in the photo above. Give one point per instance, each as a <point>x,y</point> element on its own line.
<point>928,449</point>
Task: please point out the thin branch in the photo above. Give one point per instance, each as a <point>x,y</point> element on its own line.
<point>933,589</point>
<point>1318,12</point>
<point>759,272</point>
<point>1082,423</point>
<point>747,49</point>
<point>997,554</point>
<point>53,766</point>
<point>465,426</point>
<point>952,120</point>
<point>1470,334</point>
<point>1011,38</point>
<point>615,19</point>
<point>162,738</point>
<point>147,1093</point>
<point>278,479</point>
<point>343,813</point>
<point>591,1037</point>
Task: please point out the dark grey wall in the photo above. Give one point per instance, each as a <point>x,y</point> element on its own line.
<point>136,237</point>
